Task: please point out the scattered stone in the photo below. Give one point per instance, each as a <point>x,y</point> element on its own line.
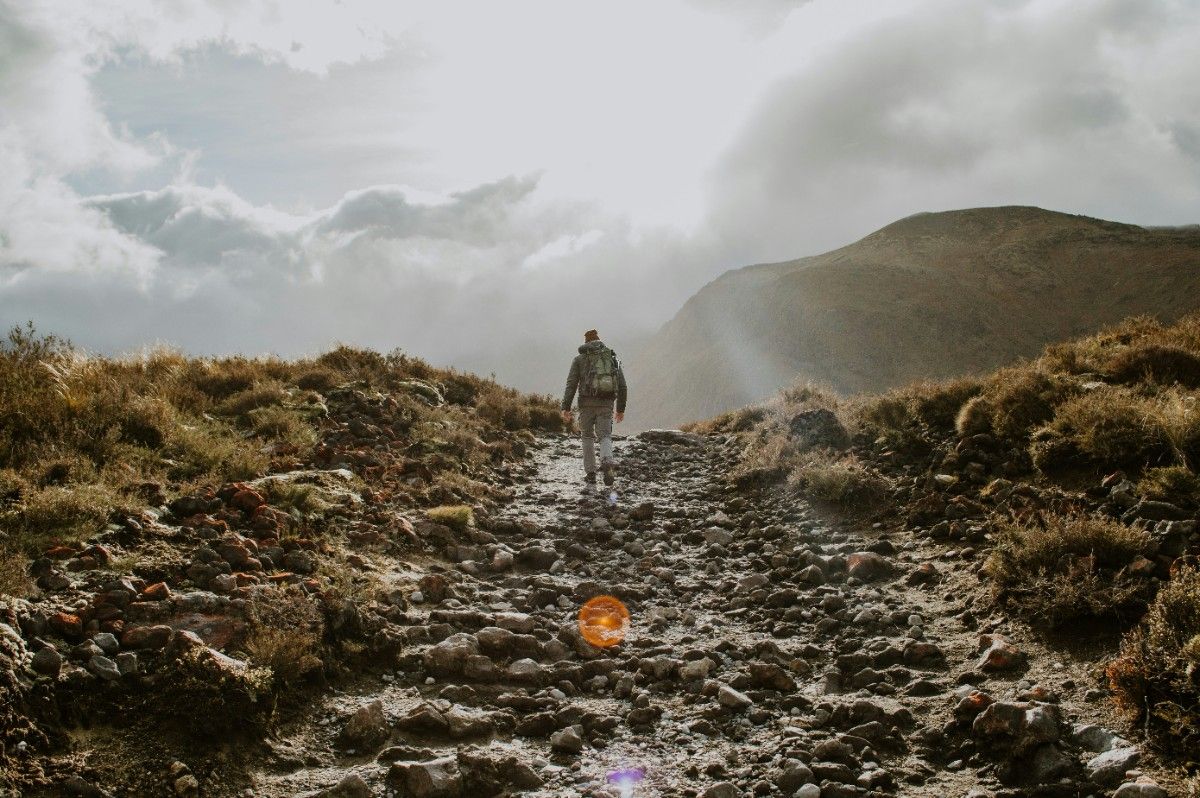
<point>436,778</point>
<point>1109,767</point>
<point>567,740</point>
<point>47,661</point>
<point>999,654</point>
<point>722,789</point>
<point>732,699</point>
<point>1143,788</point>
<point>366,728</point>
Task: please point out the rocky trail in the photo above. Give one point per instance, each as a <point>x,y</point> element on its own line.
<point>772,652</point>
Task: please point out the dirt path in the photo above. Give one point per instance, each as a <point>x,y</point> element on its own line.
<point>770,653</point>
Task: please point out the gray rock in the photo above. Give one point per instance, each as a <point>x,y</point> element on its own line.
<point>795,775</point>
<point>722,789</point>
<point>1140,789</point>
<point>1109,767</point>
<point>819,427</point>
<point>449,657</point>
<point>107,642</point>
<point>1097,739</point>
<point>732,699</point>
<point>47,661</point>
<point>436,778</point>
<point>127,663</point>
<point>366,727</point>
<point>1047,764</point>
<point>717,535</point>
<point>104,667</point>
<point>809,790</point>
<point>671,437</point>
<point>567,740</point>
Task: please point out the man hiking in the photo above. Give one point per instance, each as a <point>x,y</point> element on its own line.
<point>597,374</point>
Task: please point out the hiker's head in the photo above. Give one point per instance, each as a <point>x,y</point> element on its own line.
<point>591,335</point>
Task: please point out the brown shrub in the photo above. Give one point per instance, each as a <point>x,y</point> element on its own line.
<point>285,635</point>
<point>840,480</point>
<point>258,396</point>
<point>1068,567</point>
<point>14,574</point>
<point>1113,427</point>
<point>56,514</point>
<point>1175,484</point>
<point>318,378</point>
<point>1156,677</point>
<point>1155,363</point>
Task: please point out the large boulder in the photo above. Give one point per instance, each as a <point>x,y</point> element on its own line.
<point>819,428</point>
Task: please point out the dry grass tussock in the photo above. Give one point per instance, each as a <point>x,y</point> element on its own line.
<point>1156,678</point>
<point>1068,567</point>
<point>841,480</point>
<point>775,452</point>
<point>285,635</point>
<point>80,435</point>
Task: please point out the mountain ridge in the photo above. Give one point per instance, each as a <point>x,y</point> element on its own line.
<point>968,290</point>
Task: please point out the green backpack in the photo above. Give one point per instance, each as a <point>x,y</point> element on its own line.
<point>599,378</point>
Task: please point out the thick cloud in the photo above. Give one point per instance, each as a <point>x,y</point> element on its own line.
<point>1088,107</point>
<point>485,271</point>
<point>236,177</point>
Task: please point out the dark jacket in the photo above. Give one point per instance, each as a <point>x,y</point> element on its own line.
<point>576,370</point>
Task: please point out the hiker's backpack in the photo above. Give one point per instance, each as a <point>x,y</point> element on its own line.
<point>599,374</point>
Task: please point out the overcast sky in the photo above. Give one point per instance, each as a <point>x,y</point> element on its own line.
<point>478,181</point>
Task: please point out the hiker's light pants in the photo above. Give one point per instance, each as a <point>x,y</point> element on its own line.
<point>596,421</point>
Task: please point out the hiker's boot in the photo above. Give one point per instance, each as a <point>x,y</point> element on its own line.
<point>608,474</point>
<point>590,477</point>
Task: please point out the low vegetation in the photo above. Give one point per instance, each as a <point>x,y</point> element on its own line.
<point>839,480</point>
<point>84,439</point>
<point>457,517</point>
<point>1066,567</point>
<point>1156,678</point>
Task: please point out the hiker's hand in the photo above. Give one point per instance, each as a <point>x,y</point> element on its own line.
<point>566,414</point>
<point>620,417</point>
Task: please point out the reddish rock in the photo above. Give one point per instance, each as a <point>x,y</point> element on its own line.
<point>67,624</point>
<point>148,638</point>
<point>924,573</point>
<point>216,631</point>
<point>98,553</point>
<point>60,552</point>
<point>156,592</point>
<point>972,705</point>
<point>281,577</point>
<point>867,565</point>
<point>1142,567</point>
<point>268,519</point>
<point>114,627</point>
<point>247,500</point>
<point>245,579</point>
<point>82,564</point>
<point>1000,654</point>
<point>233,553</point>
<point>107,612</point>
<point>183,641</point>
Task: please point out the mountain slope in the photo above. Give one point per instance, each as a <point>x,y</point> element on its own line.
<point>933,295</point>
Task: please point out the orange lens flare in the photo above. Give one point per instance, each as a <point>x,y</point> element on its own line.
<point>603,621</point>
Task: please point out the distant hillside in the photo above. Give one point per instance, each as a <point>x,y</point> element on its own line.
<point>933,295</point>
